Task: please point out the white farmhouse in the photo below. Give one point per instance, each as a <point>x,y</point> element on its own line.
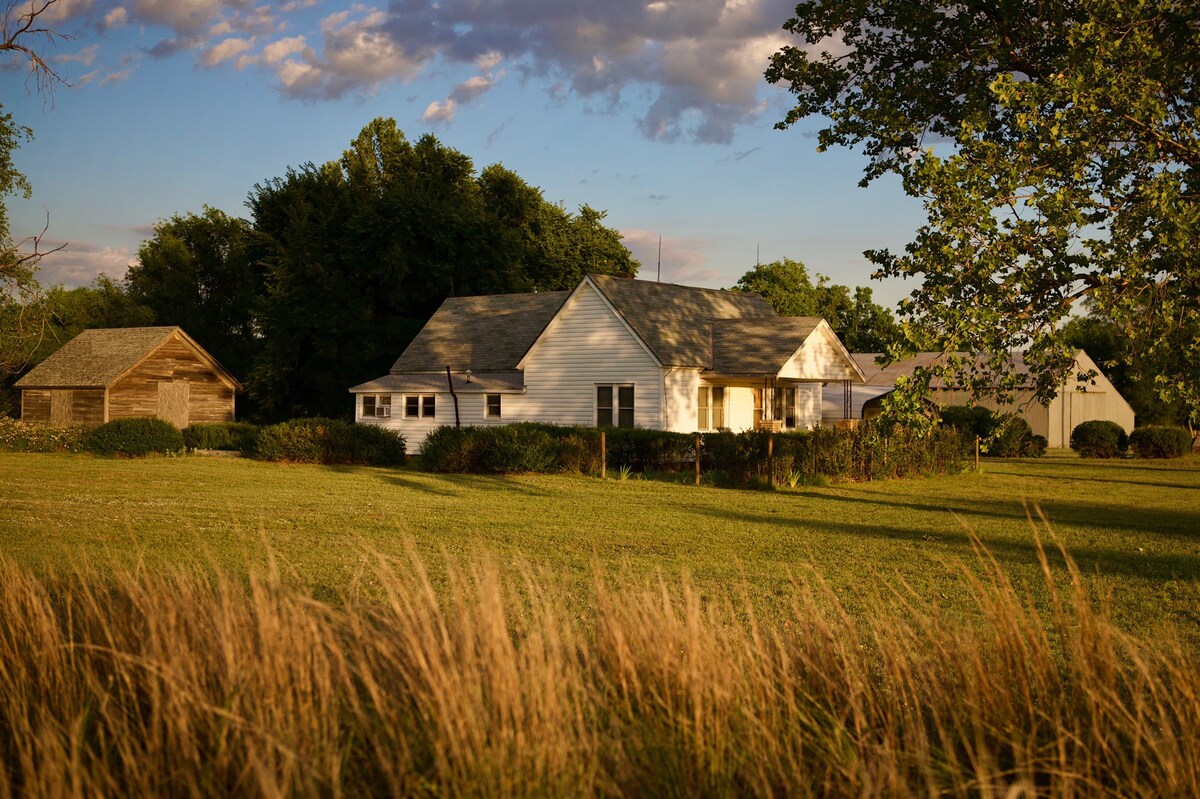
<point>610,352</point>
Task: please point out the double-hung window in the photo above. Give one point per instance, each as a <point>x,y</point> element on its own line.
<point>423,406</point>
<point>710,408</point>
<point>376,406</point>
<point>492,406</point>
<point>614,405</point>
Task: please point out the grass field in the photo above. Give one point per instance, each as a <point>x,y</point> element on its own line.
<point>1134,525</point>
<point>150,646</point>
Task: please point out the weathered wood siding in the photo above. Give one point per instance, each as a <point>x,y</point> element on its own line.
<point>35,405</point>
<point>137,393</point>
<point>587,344</point>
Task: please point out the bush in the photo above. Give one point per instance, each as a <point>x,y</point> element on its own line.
<point>975,421</point>
<point>227,436</point>
<point>135,437</point>
<point>329,441</point>
<point>451,449</point>
<point>1004,435</point>
<point>28,437</point>
<point>1099,439</point>
<point>516,448</point>
<point>1154,441</point>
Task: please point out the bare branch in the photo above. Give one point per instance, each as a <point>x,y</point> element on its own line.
<point>20,30</point>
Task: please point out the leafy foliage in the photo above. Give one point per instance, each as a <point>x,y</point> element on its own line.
<point>861,324</point>
<point>135,437</point>
<point>329,441</point>
<point>1099,439</point>
<point>1154,441</point>
<point>227,436</point>
<point>1072,172</point>
<point>1003,435</point>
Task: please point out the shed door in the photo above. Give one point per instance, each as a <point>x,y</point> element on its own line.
<point>60,406</point>
<point>173,403</point>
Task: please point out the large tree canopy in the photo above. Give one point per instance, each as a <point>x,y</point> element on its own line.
<point>1057,148</point>
<point>861,324</point>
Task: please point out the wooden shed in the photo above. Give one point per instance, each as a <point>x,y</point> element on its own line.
<point>117,373</point>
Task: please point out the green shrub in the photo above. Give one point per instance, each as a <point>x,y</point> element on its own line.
<point>29,437</point>
<point>135,437</point>
<point>1154,441</point>
<point>975,421</point>
<point>227,436</point>
<point>329,441</point>
<point>1037,446</point>
<point>451,449</point>
<point>1099,439</point>
<point>1013,438</point>
<point>516,448</point>
<point>649,450</point>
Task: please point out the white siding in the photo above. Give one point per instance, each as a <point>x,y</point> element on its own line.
<point>680,399</point>
<point>808,405</point>
<point>471,408</point>
<point>819,359</point>
<point>739,408</point>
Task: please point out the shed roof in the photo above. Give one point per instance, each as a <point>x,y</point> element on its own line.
<point>888,375</point>
<point>673,320</point>
<point>758,346</point>
<point>486,334</point>
<point>97,357</point>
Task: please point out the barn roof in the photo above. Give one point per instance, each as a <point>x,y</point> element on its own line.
<point>95,358</point>
<point>486,334</point>
<point>877,375</point>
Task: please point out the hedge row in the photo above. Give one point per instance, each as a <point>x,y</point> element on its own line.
<point>225,436</point>
<point>864,452</point>
<point>135,437</point>
<point>1154,441</point>
<point>329,441</point>
<point>30,437</point>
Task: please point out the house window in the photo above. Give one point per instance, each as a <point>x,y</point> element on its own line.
<point>710,408</point>
<point>614,406</point>
<point>785,406</point>
<point>492,406</point>
<point>420,406</point>
<point>377,406</point>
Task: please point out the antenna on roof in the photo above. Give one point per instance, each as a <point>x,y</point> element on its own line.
<point>757,255</point>
<point>659,257</point>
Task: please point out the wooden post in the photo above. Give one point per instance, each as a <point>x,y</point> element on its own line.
<point>603,457</point>
<point>976,454</point>
<point>771,458</point>
<point>697,459</point>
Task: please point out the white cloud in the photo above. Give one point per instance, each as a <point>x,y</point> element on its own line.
<point>276,51</point>
<point>117,77</point>
<point>225,50</point>
<point>86,56</point>
<point>115,18</point>
<point>440,112</point>
<point>79,263</point>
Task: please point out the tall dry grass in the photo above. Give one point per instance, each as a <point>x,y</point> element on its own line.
<point>178,684</point>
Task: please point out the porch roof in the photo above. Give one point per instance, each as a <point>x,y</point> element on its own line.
<point>758,346</point>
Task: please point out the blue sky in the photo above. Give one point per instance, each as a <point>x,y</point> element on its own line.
<point>656,112</point>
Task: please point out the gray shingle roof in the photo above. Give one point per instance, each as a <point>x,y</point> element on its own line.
<point>757,347</point>
<point>485,334</point>
<point>887,375</point>
<point>95,358</point>
<point>481,383</point>
<point>673,320</point>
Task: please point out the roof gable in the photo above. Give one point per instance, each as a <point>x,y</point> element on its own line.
<point>485,334</point>
<point>97,358</point>
<point>757,346</point>
<point>672,320</point>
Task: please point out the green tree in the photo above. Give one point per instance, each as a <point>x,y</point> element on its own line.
<point>862,325</point>
<point>201,272</point>
<point>1069,168</point>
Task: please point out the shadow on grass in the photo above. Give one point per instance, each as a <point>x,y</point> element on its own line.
<point>1107,561</point>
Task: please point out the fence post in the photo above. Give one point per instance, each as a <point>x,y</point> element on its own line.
<point>697,459</point>
<point>603,457</point>
<point>976,454</point>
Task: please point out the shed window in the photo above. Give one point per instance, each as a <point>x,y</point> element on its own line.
<point>710,408</point>
<point>492,405</point>
<point>618,414</point>
<point>376,406</point>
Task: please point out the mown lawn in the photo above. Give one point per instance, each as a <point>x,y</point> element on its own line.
<point>1133,524</point>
